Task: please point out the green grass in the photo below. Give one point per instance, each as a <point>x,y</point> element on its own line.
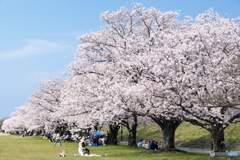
<point>233,133</point>
<point>189,132</point>
<point>14,147</point>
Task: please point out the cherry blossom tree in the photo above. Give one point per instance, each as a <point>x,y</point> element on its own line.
<point>196,75</point>
<point>46,102</point>
<point>78,98</point>
<point>17,121</point>
<point>199,73</point>
<point>40,111</point>
<point>89,98</point>
<point>210,74</point>
<point>128,34</point>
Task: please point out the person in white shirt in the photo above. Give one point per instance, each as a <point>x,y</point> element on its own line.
<point>82,150</point>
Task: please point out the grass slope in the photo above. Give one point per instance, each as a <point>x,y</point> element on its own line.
<point>187,132</point>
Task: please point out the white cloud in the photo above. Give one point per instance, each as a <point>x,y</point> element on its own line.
<point>34,47</point>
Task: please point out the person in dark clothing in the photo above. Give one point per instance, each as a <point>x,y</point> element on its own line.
<point>95,140</point>
<point>153,145</point>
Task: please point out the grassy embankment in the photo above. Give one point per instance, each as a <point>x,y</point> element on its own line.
<point>187,132</point>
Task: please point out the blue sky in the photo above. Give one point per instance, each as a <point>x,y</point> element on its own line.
<point>38,38</point>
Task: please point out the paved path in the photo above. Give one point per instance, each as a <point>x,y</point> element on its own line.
<point>197,150</point>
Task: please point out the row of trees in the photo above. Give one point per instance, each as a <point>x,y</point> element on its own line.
<point>145,66</point>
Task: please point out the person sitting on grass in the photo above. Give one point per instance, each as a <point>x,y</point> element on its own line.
<point>146,144</point>
<point>82,150</point>
<point>159,145</point>
<point>101,141</point>
<point>95,140</point>
<point>153,145</point>
<point>140,144</point>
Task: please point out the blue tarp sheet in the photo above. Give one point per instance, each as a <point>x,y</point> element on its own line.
<point>96,145</point>
<point>97,133</point>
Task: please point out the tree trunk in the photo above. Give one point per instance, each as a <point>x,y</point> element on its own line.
<point>132,131</point>
<point>132,135</point>
<point>97,127</point>
<point>113,133</point>
<point>217,135</point>
<point>168,131</point>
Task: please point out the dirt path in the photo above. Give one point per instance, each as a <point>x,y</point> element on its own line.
<point>3,134</point>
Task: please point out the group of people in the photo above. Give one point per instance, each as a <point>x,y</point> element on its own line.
<point>66,138</point>
<point>71,138</point>
<point>99,140</point>
<point>83,142</point>
<point>152,145</point>
<point>94,140</point>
